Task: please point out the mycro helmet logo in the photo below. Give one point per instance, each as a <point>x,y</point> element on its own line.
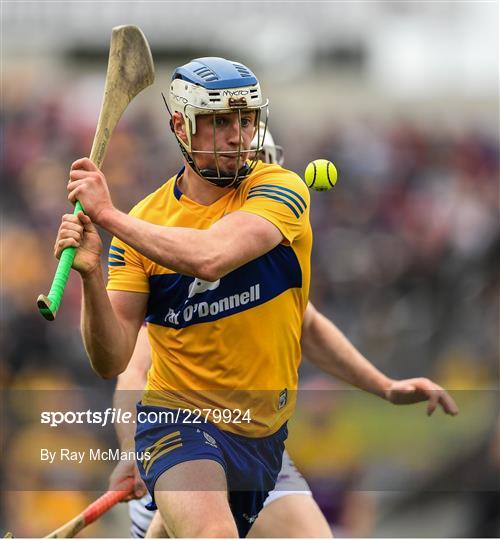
<point>178,98</point>
<point>232,93</point>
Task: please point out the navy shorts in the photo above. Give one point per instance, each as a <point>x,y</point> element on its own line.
<point>252,465</point>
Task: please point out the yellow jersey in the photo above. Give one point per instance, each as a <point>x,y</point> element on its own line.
<point>234,344</point>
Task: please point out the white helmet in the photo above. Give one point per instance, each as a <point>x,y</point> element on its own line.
<point>209,86</point>
<point>268,151</point>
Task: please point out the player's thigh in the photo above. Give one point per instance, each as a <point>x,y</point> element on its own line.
<point>156,528</point>
<point>192,500</point>
<point>293,516</point>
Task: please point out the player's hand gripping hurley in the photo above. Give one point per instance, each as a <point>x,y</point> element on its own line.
<point>130,70</point>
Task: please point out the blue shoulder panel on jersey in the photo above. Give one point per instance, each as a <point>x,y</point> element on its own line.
<point>178,301</point>
<point>215,73</point>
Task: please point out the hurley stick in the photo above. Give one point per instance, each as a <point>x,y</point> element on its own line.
<point>130,70</point>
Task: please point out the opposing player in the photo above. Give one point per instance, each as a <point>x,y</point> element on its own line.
<point>289,510</point>
<point>217,260</point>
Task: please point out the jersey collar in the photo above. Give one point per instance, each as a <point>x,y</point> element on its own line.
<point>177,191</point>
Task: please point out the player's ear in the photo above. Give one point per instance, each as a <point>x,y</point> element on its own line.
<point>178,125</point>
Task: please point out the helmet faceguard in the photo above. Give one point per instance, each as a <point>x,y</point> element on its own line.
<point>214,86</point>
<point>265,148</point>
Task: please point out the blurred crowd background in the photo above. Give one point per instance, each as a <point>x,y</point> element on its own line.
<point>406,256</point>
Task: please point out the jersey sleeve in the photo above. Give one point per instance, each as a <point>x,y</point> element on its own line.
<point>282,201</point>
<point>126,270</point>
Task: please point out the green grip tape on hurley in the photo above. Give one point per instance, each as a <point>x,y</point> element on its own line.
<point>48,305</point>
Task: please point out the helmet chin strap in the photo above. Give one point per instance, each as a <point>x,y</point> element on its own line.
<point>214,177</point>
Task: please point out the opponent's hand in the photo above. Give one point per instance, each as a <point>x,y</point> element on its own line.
<point>88,185</point>
<point>421,389</point>
<point>127,469</point>
<point>79,231</point>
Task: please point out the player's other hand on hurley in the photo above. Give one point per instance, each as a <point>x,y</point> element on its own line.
<point>420,389</point>
<point>124,470</point>
<point>79,232</point>
<point>88,185</point>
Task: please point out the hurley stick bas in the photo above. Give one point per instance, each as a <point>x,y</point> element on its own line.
<point>130,70</point>
<point>93,511</point>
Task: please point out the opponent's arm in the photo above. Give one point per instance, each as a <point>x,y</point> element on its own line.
<point>110,322</point>
<point>207,254</point>
<point>128,392</point>
<point>325,346</point>
<point>130,387</point>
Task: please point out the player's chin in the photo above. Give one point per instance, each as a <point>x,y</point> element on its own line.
<point>232,163</point>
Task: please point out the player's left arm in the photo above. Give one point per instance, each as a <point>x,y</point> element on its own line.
<point>324,345</point>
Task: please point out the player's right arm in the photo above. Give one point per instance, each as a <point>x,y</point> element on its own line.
<point>110,321</point>
<point>264,221</point>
